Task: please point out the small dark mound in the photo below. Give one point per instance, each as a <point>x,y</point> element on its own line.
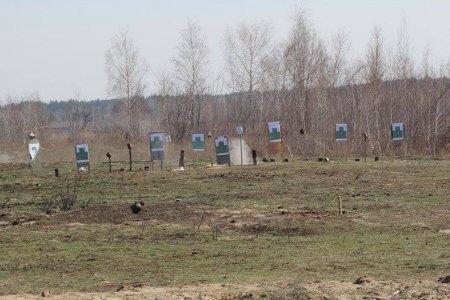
<point>363,279</point>
<point>444,279</point>
<point>137,207</point>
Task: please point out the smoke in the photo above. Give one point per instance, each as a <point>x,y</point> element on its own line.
<point>235,152</point>
<point>4,158</point>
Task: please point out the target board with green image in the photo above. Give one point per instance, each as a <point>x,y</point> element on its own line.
<point>82,153</point>
<point>341,132</point>
<point>156,146</point>
<point>198,142</point>
<point>274,132</point>
<point>398,131</point>
<point>222,150</point>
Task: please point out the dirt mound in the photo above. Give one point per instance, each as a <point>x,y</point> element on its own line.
<point>121,213</point>
<point>363,279</point>
<point>444,279</point>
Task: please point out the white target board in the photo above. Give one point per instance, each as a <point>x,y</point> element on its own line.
<point>33,149</point>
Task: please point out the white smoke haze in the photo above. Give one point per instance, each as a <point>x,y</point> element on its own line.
<point>5,158</point>
<point>235,152</point>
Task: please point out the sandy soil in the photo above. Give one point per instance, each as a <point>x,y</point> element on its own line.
<point>369,289</point>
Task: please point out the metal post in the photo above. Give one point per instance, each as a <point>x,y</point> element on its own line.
<point>240,142</point>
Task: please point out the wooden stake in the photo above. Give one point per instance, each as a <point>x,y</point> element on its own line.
<point>340,205</point>
<point>129,152</point>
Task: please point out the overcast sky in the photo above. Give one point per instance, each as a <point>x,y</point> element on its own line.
<point>56,47</point>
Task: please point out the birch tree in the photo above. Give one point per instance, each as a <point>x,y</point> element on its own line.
<point>126,71</point>
<point>247,47</point>
<point>191,69</point>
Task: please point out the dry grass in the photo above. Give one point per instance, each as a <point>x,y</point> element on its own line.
<point>273,223</point>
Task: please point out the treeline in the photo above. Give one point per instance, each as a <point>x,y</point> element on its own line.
<point>304,82</point>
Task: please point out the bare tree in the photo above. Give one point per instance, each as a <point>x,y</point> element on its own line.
<point>375,72</point>
<point>126,72</point>
<point>167,92</point>
<point>79,116</point>
<point>246,49</point>
<point>191,69</point>
<point>303,57</point>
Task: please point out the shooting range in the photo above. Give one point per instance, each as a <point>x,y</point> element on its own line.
<point>398,131</point>
<point>157,147</point>
<point>275,138</point>
<point>82,157</point>
<point>222,150</point>
<point>341,132</point>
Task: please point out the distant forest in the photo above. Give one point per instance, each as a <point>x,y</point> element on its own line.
<point>306,83</point>
<point>426,120</point>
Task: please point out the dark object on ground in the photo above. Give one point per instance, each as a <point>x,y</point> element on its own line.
<point>444,279</point>
<point>356,159</point>
<point>285,160</point>
<point>146,168</point>
<point>320,159</point>
<point>302,132</point>
<point>45,293</point>
<point>272,160</point>
<point>377,158</point>
<point>265,159</point>
<point>137,207</point>
<point>363,279</point>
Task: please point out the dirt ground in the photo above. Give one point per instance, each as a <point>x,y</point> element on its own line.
<point>269,232</point>
<point>369,289</point>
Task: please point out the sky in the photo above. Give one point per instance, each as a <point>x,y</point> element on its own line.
<point>56,48</point>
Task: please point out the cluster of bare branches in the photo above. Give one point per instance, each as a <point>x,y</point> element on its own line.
<point>20,117</point>
<point>309,85</point>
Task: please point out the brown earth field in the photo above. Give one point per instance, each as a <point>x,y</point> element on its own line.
<point>271,231</point>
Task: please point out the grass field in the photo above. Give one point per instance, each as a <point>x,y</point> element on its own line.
<point>252,225</point>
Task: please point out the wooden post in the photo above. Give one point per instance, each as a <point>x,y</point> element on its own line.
<point>340,205</point>
<point>254,157</point>
<point>108,155</point>
<point>181,161</point>
<point>56,173</point>
<point>365,146</point>
<point>129,152</point>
